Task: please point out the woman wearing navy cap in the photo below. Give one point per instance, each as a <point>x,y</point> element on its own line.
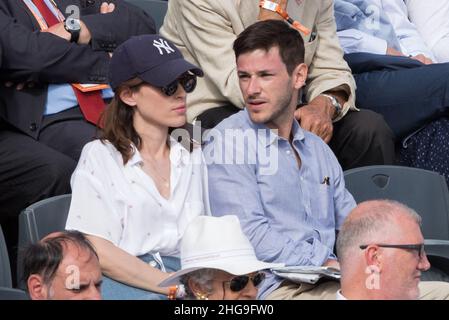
<point>135,190</point>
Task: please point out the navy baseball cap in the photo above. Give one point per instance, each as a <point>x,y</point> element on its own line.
<point>151,58</point>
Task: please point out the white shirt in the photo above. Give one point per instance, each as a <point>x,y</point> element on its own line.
<point>408,37</point>
<point>431,18</point>
<point>121,203</point>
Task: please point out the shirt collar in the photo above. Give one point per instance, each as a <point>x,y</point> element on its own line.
<point>340,296</point>
<point>297,131</point>
<point>179,156</point>
<point>136,158</point>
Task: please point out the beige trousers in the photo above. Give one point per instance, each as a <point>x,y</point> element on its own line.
<point>430,290</point>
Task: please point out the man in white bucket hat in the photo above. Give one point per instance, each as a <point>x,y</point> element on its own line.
<point>218,261</point>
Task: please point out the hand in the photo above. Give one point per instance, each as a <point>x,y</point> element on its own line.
<point>332,263</point>
<point>422,58</point>
<point>85,36</point>
<point>107,7</point>
<point>265,14</point>
<point>394,52</point>
<point>20,85</point>
<point>316,117</point>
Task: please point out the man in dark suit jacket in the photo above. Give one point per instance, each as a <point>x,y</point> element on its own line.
<point>39,146</point>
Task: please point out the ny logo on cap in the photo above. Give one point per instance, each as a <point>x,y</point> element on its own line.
<point>162,44</point>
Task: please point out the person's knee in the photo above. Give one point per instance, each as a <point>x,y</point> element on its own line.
<point>58,176</point>
<point>371,126</point>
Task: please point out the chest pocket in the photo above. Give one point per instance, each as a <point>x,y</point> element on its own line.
<point>310,49</point>
<point>322,202</point>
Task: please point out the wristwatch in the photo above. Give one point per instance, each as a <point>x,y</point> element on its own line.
<point>335,104</point>
<point>73,26</point>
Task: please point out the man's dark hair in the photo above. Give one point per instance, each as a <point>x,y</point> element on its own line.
<point>272,33</point>
<point>45,256</point>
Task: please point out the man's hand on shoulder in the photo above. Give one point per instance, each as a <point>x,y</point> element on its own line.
<point>316,117</point>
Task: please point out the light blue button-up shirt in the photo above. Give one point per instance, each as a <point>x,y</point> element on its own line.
<point>61,97</point>
<point>290,214</point>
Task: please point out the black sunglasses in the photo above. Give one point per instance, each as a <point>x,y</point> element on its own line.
<point>187,81</point>
<point>238,283</point>
<point>417,247</point>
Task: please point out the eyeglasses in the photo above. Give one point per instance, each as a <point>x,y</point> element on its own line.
<point>238,283</point>
<point>417,247</point>
<point>187,81</point>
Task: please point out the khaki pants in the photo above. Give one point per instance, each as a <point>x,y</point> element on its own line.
<point>430,290</point>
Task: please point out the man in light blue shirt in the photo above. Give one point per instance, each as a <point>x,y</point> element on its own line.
<point>284,183</point>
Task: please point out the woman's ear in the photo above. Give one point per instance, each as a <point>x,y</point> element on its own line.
<point>300,75</point>
<point>127,96</point>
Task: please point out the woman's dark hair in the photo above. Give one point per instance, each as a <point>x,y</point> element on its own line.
<point>272,33</point>
<point>117,122</point>
<point>45,256</point>
<point>118,126</point>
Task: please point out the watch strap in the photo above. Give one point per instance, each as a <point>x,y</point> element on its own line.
<point>74,33</point>
<point>335,103</point>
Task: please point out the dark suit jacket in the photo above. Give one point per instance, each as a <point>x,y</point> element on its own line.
<point>28,55</point>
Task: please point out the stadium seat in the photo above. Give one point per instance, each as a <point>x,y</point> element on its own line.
<point>6,290</point>
<point>156,9</point>
<point>5,268</point>
<point>424,191</point>
<point>13,294</point>
<point>39,220</point>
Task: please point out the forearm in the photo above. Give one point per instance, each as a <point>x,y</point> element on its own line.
<point>26,57</point>
<point>329,71</point>
<point>123,267</point>
<point>109,30</point>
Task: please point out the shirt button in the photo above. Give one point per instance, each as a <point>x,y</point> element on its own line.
<point>288,152</point>
<point>33,126</point>
<point>153,264</point>
<point>302,179</point>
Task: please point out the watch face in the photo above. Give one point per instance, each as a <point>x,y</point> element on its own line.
<point>72,24</point>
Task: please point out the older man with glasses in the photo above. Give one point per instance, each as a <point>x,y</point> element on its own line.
<point>381,253</point>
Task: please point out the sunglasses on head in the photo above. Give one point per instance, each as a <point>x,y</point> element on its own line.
<point>187,81</point>
<point>238,283</point>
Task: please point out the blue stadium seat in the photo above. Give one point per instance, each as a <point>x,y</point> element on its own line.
<point>39,220</point>
<point>422,190</point>
<point>5,268</point>
<point>6,290</point>
<point>13,294</point>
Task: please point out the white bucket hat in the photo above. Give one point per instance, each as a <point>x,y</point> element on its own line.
<point>217,243</point>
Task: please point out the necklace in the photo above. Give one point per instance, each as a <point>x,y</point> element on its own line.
<point>166,182</point>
